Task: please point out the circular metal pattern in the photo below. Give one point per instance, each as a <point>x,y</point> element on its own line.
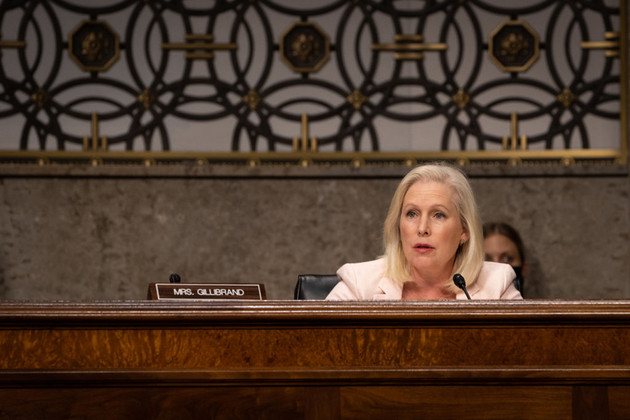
<point>514,46</point>
<point>244,100</point>
<point>94,46</point>
<point>305,47</point>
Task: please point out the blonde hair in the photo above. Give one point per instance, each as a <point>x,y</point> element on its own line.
<point>469,256</point>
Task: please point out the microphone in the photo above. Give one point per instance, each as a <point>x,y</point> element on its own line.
<point>174,278</point>
<point>459,281</point>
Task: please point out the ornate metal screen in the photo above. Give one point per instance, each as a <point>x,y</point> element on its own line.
<point>312,80</point>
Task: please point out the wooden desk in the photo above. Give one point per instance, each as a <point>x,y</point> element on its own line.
<point>319,360</point>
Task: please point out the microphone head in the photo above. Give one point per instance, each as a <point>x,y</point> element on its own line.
<point>174,278</point>
<point>459,281</point>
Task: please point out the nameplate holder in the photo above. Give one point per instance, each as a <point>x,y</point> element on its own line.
<point>206,291</point>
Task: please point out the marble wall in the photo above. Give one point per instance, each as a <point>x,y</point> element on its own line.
<point>69,237</point>
<point>93,233</point>
<point>576,230</point>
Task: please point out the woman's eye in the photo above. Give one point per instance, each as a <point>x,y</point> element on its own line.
<point>440,215</point>
<point>411,213</point>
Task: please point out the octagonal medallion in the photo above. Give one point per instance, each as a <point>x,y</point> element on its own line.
<point>514,46</point>
<point>94,45</point>
<point>305,47</point>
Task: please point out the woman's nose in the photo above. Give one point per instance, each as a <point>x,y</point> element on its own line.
<point>423,227</point>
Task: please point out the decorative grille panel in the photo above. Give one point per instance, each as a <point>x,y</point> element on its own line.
<point>406,77</point>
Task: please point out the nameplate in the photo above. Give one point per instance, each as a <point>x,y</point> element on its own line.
<point>207,291</point>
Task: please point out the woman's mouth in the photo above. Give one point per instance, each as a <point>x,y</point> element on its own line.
<point>422,248</point>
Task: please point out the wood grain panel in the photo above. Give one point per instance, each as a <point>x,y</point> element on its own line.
<point>154,403</point>
<point>457,402</point>
<point>619,402</point>
<point>186,348</point>
<point>315,360</point>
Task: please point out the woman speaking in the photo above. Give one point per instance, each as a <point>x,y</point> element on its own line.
<point>432,234</point>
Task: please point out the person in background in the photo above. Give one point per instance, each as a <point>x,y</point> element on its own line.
<point>432,233</point>
<point>502,243</point>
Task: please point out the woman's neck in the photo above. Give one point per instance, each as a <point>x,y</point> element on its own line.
<point>413,290</point>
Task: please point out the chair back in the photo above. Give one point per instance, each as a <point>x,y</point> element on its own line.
<point>314,286</point>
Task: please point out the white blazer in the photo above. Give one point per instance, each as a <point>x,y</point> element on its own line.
<point>366,281</point>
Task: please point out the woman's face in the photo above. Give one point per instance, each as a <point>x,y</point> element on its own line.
<point>500,248</point>
<point>430,229</point>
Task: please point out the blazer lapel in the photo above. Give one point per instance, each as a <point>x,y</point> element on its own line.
<point>472,291</point>
<point>389,290</point>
